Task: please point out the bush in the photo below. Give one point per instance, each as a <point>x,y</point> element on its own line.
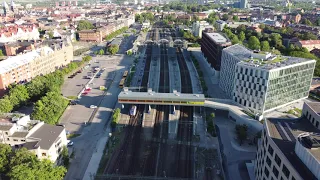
<point>115,118</point>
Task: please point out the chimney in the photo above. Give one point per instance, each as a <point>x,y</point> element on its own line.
<point>57,4</point>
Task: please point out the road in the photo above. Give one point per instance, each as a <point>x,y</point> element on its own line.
<point>233,156</point>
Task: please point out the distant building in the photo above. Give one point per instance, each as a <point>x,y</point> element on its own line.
<point>243,4</point>
<point>211,47</point>
<point>199,26</point>
<point>145,25</point>
<point>304,28</point>
<point>289,148</point>
<point>95,35</point>
<point>24,67</point>
<point>309,44</point>
<point>261,82</point>
<point>12,33</point>
<point>219,25</point>
<point>46,141</point>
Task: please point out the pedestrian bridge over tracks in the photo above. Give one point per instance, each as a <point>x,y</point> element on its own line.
<point>181,99</point>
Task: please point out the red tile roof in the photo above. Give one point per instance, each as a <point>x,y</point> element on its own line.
<point>310,42</point>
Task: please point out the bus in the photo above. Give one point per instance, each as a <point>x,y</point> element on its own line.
<point>122,81</point>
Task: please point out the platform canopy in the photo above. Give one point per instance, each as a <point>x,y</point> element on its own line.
<point>176,98</point>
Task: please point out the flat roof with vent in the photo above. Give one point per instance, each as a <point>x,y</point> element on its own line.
<point>285,132</point>
<point>218,38</point>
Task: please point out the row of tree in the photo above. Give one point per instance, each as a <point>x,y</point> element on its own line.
<point>116,33</point>
<point>269,42</point>
<point>22,164</point>
<point>45,91</point>
<point>146,16</point>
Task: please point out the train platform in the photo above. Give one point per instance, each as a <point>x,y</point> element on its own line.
<point>124,120</point>
<point>196,86</point>
<point>174,70</point>
<point>154,77</point>
<point>148,123</point>
<point>173,123</point>
<point>136,80</point>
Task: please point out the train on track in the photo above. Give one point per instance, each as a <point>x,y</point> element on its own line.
<point>133,111</point>
<point>123,80</point>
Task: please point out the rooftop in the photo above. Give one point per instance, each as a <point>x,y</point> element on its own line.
<point>315,106</point>
<point>47,134</point>
<point>284,133</point>
<point>13,62</point>
<point>218,38</point>
<point>263,60</point>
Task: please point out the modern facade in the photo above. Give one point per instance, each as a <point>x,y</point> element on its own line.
<point>311,111</point>
<point>45,140</point>
<point>288,150</point>
<point>230,57</point>
<point>211,47</point>
<point>263,82</point>
<point>22,68</point>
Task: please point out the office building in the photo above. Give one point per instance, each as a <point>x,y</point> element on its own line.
<point>289,149</point>
<point>23,67</point>
<point>262,82</point>
<point>46,141</point>
<point>219,25</point>
<point>199,26</point>
<point>243,4</point>
<point>211,47</point>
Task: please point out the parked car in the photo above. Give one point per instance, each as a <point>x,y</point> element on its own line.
<point>70,143</point>
<point>85,93</point>
<point>93,106</point>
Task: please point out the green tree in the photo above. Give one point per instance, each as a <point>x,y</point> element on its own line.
<point>254,43</point>
<point>36,87</point>
<point>242,36</point>
<point>225,17</point>
<point>309,36</point>
<point>306,22</point>
<point>65,157</point>
<point>234,39</point>
<point>84,25</point>
<point>1,53</point>
<point>5,153</point>
<point>265,46</point>
<point>241,131</point>
<point>129,53</point>
<point>113,49</point>
<point>235,18</point>
<point>101,52</point>
<point>5,105</point>
<point>49,108</point>
<point>18,95</point>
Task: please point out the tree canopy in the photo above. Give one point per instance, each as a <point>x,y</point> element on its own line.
<point>22,164</point>
<point>113,49</point>
<point>254,43</point>
<point>84,25</point>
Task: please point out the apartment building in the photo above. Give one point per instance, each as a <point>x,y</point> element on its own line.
<point>211,47</point>
<point>94,35</point>
<point>309,44</point>
<point>289,149</point>
<point>12,32</point>
<point>45,140</point>
<point>262,82</point>
<point>22,68</point>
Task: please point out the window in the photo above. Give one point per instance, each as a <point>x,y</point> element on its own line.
<point>285,171</point>
<point>6,133</point>
<point>275,171</point>
<point>266,172</point>
<point>278,160</point>
<point>292,178</point>
<point>270,150</point>
<point>317,124</point>
<point>8,139</point>
<point>44,154</point>
<point>268,161</point>
<point>15,139</point>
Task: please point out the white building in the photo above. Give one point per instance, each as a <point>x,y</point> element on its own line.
<point>219,25</point>
<point>13,33</point>
<point>261,82</point>
<point>199,26</point>
<point>289,149</point>
<point>145,25</point>
<point>45,140</point>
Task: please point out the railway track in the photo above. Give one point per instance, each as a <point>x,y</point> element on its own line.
<point>125,160</point>
<point>185,127</point>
